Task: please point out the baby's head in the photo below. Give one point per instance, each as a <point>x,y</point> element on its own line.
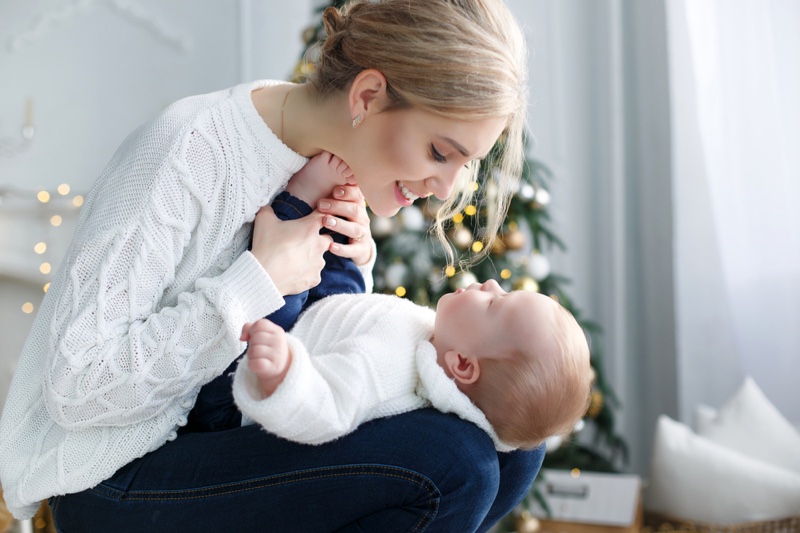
<point>519,356</point>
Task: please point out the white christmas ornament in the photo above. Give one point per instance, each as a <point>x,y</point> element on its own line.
<point>526,190</point>
<point>381,226</point>
<point>538,266</point>
<point>413,219</point>
<point>553,443</point>
<point>395,274</point>
<point>462,280</point>
<point>542,197</point>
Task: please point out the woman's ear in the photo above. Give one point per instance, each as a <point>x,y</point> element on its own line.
<point>465,369</point>
<point>367,93</point>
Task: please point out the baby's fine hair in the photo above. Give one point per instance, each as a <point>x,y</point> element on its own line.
<point>461,59</point>
<point>530,396</point>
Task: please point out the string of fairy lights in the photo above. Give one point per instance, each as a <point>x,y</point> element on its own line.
<point>52,207</point>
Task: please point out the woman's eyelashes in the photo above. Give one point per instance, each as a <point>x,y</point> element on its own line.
<point>437,155</point>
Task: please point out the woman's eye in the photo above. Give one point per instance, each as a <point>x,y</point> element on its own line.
<point>437,156</point>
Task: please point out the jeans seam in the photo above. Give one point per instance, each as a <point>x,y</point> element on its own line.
<point>284,202</point>
<point>282,479</point>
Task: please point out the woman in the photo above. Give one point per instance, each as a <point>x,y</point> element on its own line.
<point>150,301</point>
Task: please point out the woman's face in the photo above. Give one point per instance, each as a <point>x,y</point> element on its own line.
<point>399,156</point>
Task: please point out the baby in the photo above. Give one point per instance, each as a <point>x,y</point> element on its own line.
<point>214,409</point>
<point>514,363</point>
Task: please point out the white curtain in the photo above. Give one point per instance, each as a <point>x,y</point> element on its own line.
<point>735,95</point>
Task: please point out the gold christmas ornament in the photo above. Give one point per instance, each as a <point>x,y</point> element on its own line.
<point>462,236</point>
<point>310,35</point>
<point>596,404</point>
<point>526,523</point>
<point>525,283</point>
<point>514,239</point>
<point>498,248</point>
<point>6,518</point>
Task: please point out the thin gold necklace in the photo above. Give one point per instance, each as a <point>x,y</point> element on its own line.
<point>283,106</point>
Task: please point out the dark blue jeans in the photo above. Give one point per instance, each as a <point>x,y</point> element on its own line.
<point>419,471</point>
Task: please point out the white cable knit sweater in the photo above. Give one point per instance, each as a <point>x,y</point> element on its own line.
<point>149,302</point>
<point>355,357</point>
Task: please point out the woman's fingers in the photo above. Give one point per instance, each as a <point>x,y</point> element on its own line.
<point>347,193</point>
<point>291,251</point>
<point>356,231</point>
<point>348,217</point>
<point>346,202</point>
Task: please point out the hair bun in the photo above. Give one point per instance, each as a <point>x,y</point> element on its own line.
<point>333,20</point>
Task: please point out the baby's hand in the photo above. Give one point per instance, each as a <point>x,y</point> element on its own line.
<point>318,177</point>
<point>268,355</point>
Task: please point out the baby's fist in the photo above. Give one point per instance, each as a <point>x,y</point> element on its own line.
<point>268,355</point>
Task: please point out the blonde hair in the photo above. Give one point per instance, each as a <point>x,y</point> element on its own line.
<point>461,59</point>
<point>531,396</point>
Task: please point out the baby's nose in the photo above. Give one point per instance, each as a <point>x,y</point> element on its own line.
<point>491,286</point>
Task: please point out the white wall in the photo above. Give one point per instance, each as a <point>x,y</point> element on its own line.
<point>95,74</point>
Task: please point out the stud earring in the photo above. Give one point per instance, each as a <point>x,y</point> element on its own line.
<point>357,121</point>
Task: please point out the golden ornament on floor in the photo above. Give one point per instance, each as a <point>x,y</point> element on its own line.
<point>6,519</point>
<point>525,523</point>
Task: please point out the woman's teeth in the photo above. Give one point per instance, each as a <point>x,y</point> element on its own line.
<point>410,196</point>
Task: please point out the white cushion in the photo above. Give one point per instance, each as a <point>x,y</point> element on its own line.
<point>696,479</point>
<point>750,424</point>
<point>704,415</point>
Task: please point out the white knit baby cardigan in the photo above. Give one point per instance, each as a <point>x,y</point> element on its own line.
<point>355,357</point>
<point>149,302</point>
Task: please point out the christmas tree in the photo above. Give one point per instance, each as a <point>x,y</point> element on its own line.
<point>412,264</point>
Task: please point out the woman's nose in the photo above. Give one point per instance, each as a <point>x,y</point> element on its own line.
<point>442,184</point>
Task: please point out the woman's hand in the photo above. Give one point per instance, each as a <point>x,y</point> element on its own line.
<point>348,216</point>
<point>290,250</point>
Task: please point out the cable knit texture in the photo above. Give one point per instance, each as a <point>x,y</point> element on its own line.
<point>149,302</point>
<point>355,357</point>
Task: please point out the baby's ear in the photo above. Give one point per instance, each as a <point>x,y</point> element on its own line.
<point>464,368</point>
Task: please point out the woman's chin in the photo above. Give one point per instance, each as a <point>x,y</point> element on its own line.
<point>385,211</point>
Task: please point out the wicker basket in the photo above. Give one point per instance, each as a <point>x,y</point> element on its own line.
<point>658,523</point>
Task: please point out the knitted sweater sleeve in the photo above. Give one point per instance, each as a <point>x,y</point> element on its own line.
<point>149,306</point>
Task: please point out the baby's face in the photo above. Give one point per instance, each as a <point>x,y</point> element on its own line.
<point>484,320</point>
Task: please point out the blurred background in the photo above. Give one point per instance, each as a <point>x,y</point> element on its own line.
<point>668,130</point>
